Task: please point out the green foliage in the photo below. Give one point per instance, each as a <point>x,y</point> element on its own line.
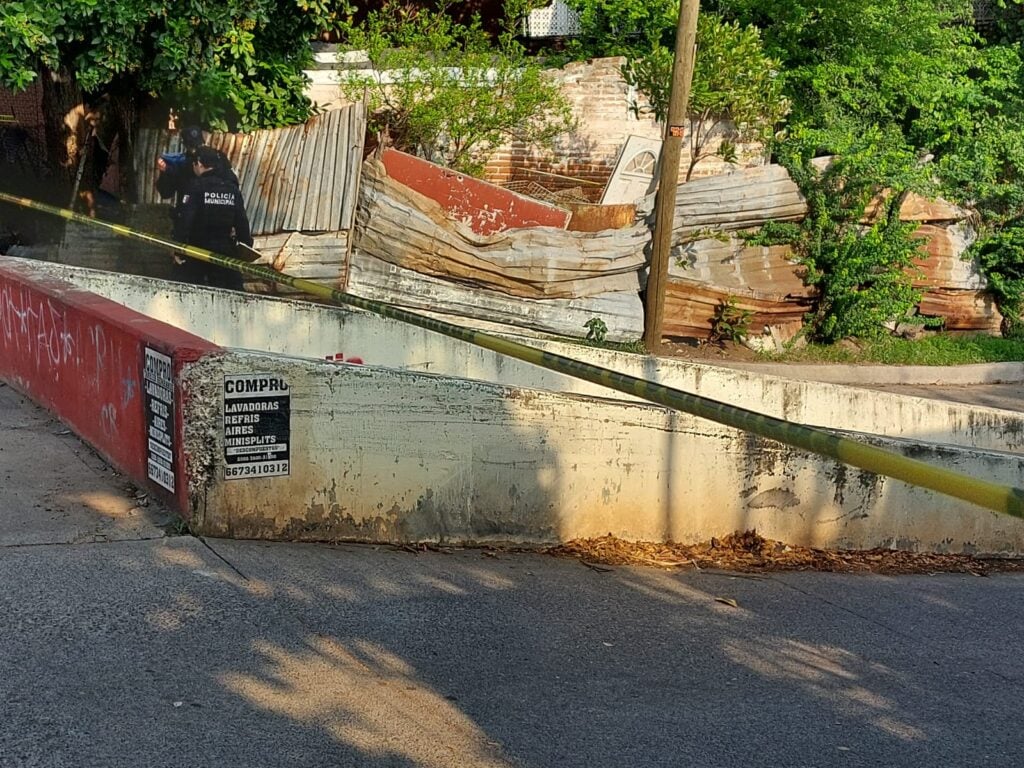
<point>736,93</point>
<point>177,527</point>
<point>933,349</point>
<point>596,329</point>
<point>916,69</point>
<point>981,161</point>
<point>862,266</point>
<point>1001,256</point>
<point>623,27</point>
<point>774,233</point>
<point>883,61</point>
<point>730,322</point>
<point>915,66</point>
<point>1008,22</point>
<point>454,94</point>
<point>230,63</point>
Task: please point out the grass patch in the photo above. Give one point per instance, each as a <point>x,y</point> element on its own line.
<point>936,349</point>
<point>177,527</point>
<point>633,347</point>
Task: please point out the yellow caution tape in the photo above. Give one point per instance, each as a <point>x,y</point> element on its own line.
<point>1000,498</point>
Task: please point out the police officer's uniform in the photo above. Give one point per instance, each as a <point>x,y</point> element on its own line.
<point>212,217</point>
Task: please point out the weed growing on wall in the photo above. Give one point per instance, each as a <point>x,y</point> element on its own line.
<point>731,322</point>
<point>597,329</point>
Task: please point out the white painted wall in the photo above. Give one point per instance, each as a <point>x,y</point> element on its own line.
<point>314,331</point>
<point>380,454</point>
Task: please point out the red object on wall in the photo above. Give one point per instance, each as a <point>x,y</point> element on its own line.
<point>81,356</point>
<point>483,207</point>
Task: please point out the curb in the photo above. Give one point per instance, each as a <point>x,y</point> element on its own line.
<point>889,375</point>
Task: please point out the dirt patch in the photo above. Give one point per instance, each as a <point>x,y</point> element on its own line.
<point>750,552</point>
<point>710,352</point>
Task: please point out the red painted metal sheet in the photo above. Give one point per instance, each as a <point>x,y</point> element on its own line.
<point>483,207</point>
<point>81,356</point>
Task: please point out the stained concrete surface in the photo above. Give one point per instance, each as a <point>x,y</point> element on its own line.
<point>56,490</point>
<point>1009,397</point>
<point>169,651</point>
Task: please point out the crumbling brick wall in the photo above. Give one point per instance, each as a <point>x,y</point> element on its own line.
<point>608,112</point>
<point>22,108</point>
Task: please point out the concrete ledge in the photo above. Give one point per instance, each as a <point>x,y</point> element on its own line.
<point>82,357</point>
<point>316,331</point>
<point>871,375</point>
<point>375,453</point>
<point>384,455</point>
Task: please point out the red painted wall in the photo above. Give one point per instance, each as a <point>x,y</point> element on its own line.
<point>81,356</point>
<point>484,207</point>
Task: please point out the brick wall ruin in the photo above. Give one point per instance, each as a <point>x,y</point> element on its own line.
<point>608,111</point>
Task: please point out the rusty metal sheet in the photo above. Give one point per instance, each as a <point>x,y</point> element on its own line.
<point>249,180</point>
<point>348,165</point>
<point>329,180</point>
<point>300,188</point>
<point>942,263</point>
<point>283,189</point>
<point>962,310</point>
<point>588,217</point>
<point>342,170</point>
<point>311,204</point>
<point>278,189</point>
<point>482,207</point>
<point>690,308</point>
<point>299,178</point>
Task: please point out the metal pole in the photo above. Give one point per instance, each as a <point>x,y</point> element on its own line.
<point>668,167</point>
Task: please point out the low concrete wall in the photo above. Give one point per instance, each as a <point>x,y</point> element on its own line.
<point>384,455</point>
<point>822,404</point>
<point>276,446</point>
<point>308,330</point>
<point>84,358</point>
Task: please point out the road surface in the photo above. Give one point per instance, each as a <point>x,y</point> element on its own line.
<point>121,645</point>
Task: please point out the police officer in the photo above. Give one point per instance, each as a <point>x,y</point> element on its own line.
<point>212,217</point>
<point>175,169</point>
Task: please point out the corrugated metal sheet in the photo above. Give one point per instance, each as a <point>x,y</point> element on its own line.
<point>302,178</point>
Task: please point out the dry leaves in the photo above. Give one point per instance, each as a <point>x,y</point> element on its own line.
<point>749,551</point>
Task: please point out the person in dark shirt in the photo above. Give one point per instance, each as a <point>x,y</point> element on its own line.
<point>212,217</point>
<point>176,168</point>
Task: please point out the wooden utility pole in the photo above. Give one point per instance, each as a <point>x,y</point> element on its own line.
<point>668,165</point>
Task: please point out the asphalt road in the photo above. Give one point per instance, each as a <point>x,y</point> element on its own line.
<point>123,646</point>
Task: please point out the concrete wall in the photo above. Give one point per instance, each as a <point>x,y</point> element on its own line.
<point>379,454</point>
<point>82,357</point>
<point>314,331</point>
<point>384,455</point>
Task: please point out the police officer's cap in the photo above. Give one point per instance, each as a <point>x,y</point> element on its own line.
<point>192,137</point>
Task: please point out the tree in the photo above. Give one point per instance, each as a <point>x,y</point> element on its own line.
<point>918,72</point>
<point>881,61</point>
<point>628,28</point>
<point>451,93</point>
<point>862,266</point>
<point>234,64</point>
<point>736,92</point>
